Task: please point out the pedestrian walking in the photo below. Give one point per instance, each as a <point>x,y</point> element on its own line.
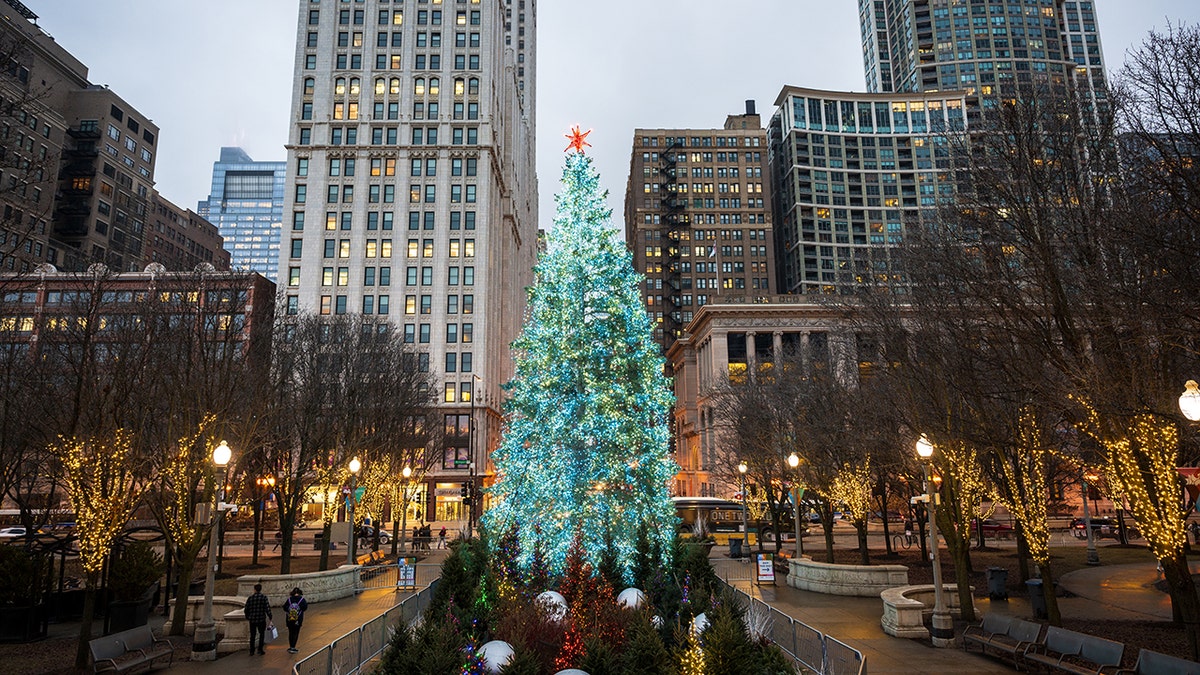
<point>278,541</point>
<point>294,608</point>
<point>258,612</point>
<point>442,537</point>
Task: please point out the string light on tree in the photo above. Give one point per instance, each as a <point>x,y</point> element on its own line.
<point>587,445</point>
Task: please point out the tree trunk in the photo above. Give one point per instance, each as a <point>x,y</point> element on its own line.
<point>864,554</point>
<point>184,580</point>
<point>326,528</point>
<point>1048,592</point>
<point>285,550</point>
<point>883,509</point>
<point>257,534</point>
<point>922,517</point>
<point>1184,601</point>
<point>82,653</point>
<point>1023,554</point>
<point>962,576</point>
<point>395,534</point>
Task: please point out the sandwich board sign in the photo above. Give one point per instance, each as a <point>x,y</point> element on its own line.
<point>764,568</point>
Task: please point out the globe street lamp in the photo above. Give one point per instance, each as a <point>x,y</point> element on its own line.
<point>742,469</point>
<point>793,461</point>
<point>407,473</point>
<point>355,466</point>
<point>1189,401</point>
<point>942,632</point>
<point>204,642</point>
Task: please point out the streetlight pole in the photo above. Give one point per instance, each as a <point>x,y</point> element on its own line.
<point>355,465</point>
<point>1093,557</point>
<point>942,631</point>
<point>266,485</point>
<point>742,468</point>
<point>407,473</point>
<point>794,462</point>
<point>204,642</point>
<point>471,463</point>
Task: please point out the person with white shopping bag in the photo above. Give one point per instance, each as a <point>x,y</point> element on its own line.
<point>258,612</point>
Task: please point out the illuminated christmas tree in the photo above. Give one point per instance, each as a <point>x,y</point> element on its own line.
<point>586,448</point>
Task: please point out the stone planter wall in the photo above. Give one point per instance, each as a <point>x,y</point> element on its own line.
<point>866,581</point>
<point>222,604</point>
<point>317,586</point>
<point>905,608</point>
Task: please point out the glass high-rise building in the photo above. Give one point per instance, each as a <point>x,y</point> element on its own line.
<point>411,194</point>
<point>992,48</point>
<point>853,172</point>
<point>246,205</point>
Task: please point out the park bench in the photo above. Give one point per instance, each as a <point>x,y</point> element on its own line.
<point>1154,663</point>
<point>129,650</point>
<point>1003,634</point>
<point>372,564</point>
<point>1070,652</point>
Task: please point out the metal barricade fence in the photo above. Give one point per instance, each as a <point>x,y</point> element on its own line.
<point>347,654</point>
<point>395,575</point>
<point>812,651</point>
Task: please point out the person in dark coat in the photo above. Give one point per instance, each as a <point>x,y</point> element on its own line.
<point>293,611</point>
<point>258,611</point>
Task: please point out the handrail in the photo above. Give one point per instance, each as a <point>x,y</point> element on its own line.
<point>808,647</point>
<point>349,653</point>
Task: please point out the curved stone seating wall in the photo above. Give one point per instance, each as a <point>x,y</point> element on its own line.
<point>317,586</point>
<point>905,608</point>
<point>222,604</point>
<point>866,581</point>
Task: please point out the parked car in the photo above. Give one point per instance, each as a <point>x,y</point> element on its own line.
<point>12,532</point>
<point>892,516</point>
<point>366,533</point>
<point>994,528</point>
<point>1103,528</point>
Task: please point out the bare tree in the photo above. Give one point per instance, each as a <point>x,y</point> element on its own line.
<point>340,387</point>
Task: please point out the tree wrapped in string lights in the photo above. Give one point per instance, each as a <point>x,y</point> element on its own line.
<point>586,448</point>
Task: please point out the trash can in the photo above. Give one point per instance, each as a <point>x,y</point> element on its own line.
<point>735,548</point>
<point>1037,601</point>
<point>318,538</point>
<point>997,580</point>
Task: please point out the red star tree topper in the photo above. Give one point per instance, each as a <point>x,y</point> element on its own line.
<point>577,139</point>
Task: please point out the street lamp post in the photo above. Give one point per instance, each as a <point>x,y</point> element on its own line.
<point>742,469</point>
<point>942,631</point>
<point>204,642</point>
<point>266,485</point>
<point>1093,557</point>
<point>355,465</point>
<point>407,473</point>
<point>793,461</point>
<point>473,496</point>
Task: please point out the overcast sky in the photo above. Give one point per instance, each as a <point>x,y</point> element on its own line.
<point>218,72</point>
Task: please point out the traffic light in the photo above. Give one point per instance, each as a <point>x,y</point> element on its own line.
<point>463,492</point>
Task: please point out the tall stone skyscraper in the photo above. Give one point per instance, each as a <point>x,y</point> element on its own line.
<point>411,193</point>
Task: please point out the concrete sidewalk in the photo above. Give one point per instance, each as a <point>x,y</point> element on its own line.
<point>1128,589</point>
<point>324,622</point>
<point>1113,592</point>
<point>855,621</point>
